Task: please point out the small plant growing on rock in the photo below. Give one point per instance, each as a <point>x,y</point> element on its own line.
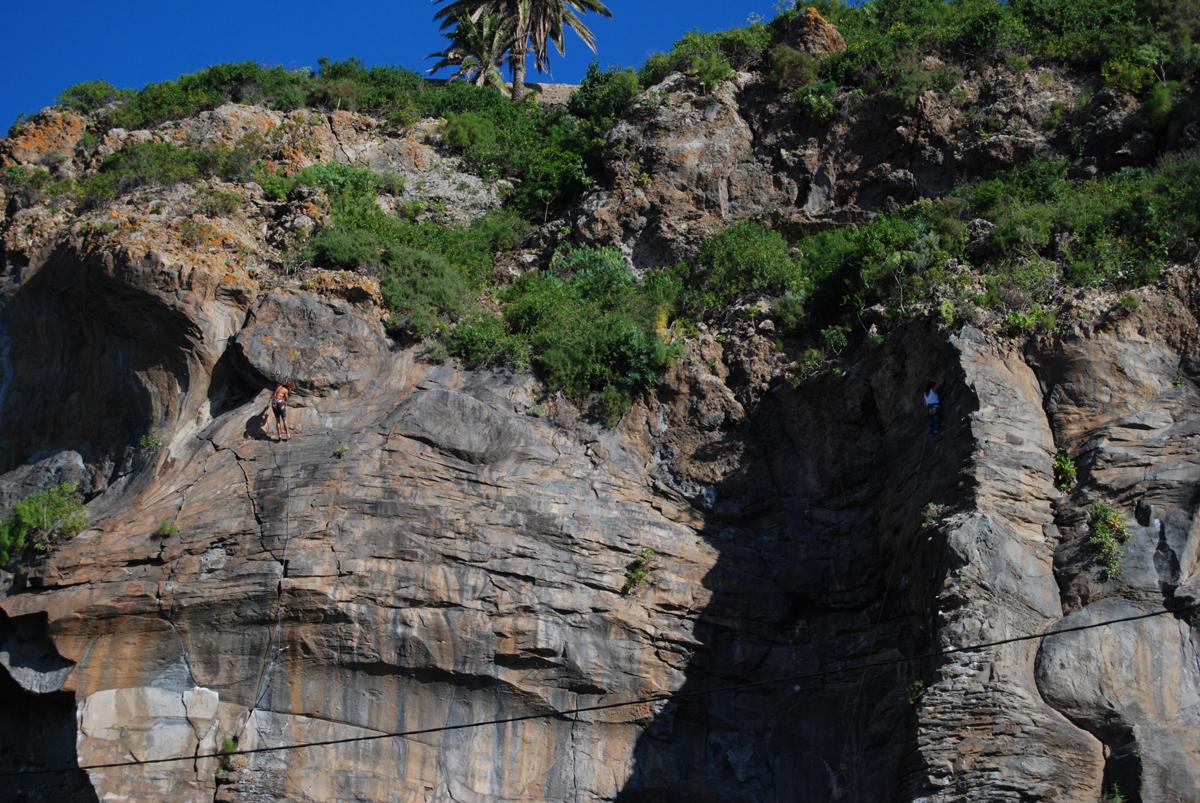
<point>150,442</point>
<point>710,69</point>
<point>947,312</point>
<point>1107,534</point>
<point>1129,302</point>
<point>166,529</point>
<point>638,572</point>
<point>932,515</point>
<point>1064,472</point>
<point>341,451</point>
<point>914,691</point>
<point>810,364</point>
<point>218,203</point>
<point>1112,794</point>
<point>229,746</point>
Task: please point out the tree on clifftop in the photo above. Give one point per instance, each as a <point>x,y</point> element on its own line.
<point>478,48</point>
<point>537,25</point>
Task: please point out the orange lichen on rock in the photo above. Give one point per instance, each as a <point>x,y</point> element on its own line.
<point>353,287</point>
<point>41,138</point>
<point>813,33</point>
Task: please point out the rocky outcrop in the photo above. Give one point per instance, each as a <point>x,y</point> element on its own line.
<point>682,164</point>
<point>683,168</point>
<point>811,33</point>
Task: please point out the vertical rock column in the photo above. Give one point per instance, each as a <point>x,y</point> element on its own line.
<point>984,731</point>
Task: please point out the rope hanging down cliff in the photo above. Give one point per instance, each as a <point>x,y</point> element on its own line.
<point>664,697</point>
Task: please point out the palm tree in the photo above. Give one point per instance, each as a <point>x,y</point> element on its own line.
<point>477,49</point>
<point>538,24</point>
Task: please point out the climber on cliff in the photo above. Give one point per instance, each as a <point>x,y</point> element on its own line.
<point>279,408</point>
<point>933,408</point>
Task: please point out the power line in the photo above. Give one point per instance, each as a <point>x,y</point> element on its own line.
<point>663,697</point>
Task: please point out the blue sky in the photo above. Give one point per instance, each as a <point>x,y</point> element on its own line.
<point>134,42</point>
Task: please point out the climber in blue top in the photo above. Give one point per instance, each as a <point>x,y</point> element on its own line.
<point>933,406</point>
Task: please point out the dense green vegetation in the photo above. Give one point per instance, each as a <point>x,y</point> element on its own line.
<point>546,151</point>
<point>584,322</point>
<point>56,511</point>
<point>1145,47</point>
<point>160,164</point>
<point>430,275</point>
<point>591,328</point>
<point>1047,233</point>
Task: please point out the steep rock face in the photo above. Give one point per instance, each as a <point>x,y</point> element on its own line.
<point>430,551</point>
<point>425,553</point>
<point>1121,397</point>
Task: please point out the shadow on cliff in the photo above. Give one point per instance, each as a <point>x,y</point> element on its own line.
<point>90,362</point>
<point>824,560</point>
<point>38,729</point>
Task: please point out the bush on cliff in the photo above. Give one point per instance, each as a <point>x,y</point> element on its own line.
<point>745,257</point>
<point>56,511</point>
<point>161,164</point>
<point>1046,232</point>
<point>602,97</point>
<point>1107,533</point>
<point>585,324</point>
<point>90,96</point>
<point>430,274</point>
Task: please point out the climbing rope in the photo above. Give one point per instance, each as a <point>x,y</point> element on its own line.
<point>820,676</point>
<point>264,679</point>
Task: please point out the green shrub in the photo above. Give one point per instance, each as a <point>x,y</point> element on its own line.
<point>811,362</point>
<point>746,257</point>
<point>33,184</point>
<point>161,164</point>
<point>1064,472</point>
<point>711,57</point>
<point>1112,794</point>
<point>1107,533</point>
<point>932,515</point>
<point>637,574</point>
<point>791,309</point>
<point>481,339</point>
<point>248,82</point>
<point>946,312</point>
<point>150,442</point>
<point>56,511</point>
<point>591,329</point>
<point>429,273</point>
<point>166,529</point>
<point>792,68</point>
<point>218,203</point>
<point>423,290</point>
<point>834,339</point>
<point>602,97</point>
<point>90,96</point>
<point>815,102</point>
<point>1158,105</point>
<point>550,152</point>
<point>710,70</point>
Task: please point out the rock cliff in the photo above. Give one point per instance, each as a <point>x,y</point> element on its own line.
<point>439,546</point>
